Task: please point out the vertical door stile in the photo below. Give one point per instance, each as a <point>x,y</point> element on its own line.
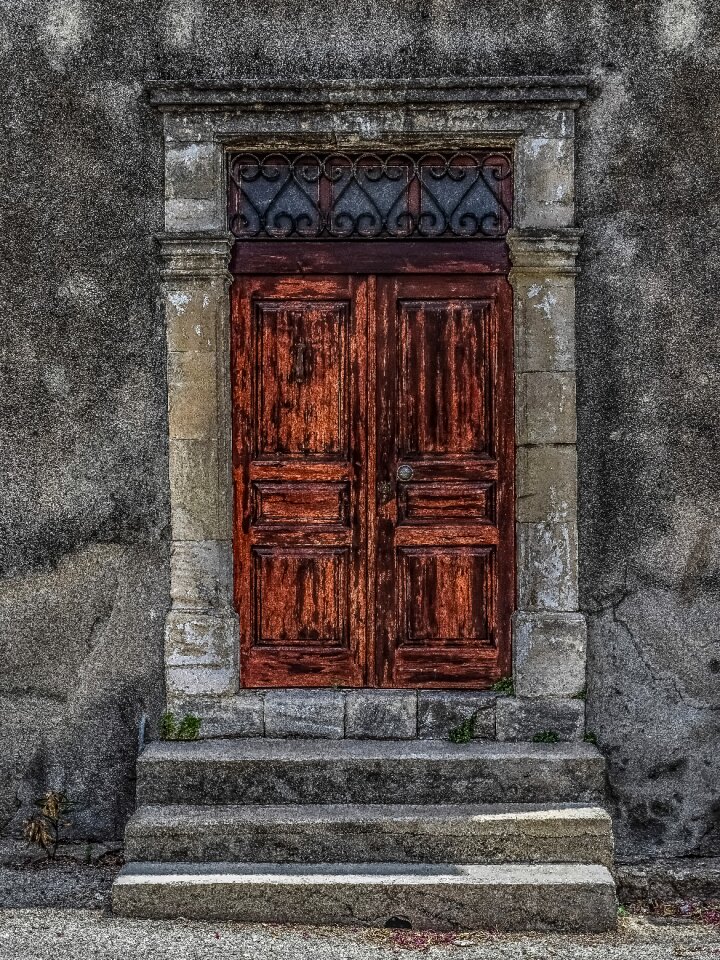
<point>371,480</point>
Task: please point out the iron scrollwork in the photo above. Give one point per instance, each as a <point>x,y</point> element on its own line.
<point>371,196</point>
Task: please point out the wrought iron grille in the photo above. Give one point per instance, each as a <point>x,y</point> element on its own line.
<point>313,196</point>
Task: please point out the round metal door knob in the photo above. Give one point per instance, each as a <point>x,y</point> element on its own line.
<point>405,472</point>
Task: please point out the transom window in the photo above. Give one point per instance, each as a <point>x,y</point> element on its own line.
<point>312,196</point>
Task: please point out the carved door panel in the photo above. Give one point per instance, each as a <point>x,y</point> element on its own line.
<point>445,446</point>
<point>299,397</point>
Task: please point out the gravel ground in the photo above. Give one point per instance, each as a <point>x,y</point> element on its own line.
<point>63,912</point>
<point>83,934</point>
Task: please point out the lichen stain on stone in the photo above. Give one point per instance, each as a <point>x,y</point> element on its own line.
<point>179,301</point>
<point>546,304</point>
<point>537,145</point>
<point>679,25</point>
<point>65,27</point>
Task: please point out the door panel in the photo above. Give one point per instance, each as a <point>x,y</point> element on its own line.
<point>299,397</point>
<point>445,570</point>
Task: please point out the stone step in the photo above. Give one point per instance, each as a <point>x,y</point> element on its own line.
<point>265,771</point>
<point>346,833</point>
<point>506,897</point>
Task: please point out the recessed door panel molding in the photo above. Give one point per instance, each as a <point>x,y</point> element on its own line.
<point>301,356</point>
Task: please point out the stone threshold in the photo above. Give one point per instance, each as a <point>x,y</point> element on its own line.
<point>369,714</point>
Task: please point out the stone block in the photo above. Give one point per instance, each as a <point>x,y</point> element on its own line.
<point>194,490</point>
<point>187,214</point>
<point>200,573</point>
<point>545,407</point>
<point>546,484</point>
<point>503,897</point>
<point>441,710</point>
<point>359,833</point>
<point>193,170</point>
<point>323,771</point>
<point>381,714</point>
<point>200,680</point>
<point>192,395</point>
<point>200,638</point>
<point>520,718</point>
<point>544,321</point>
<point>545,171</point>
<point>549,651</point>
<point>305,713</point>
<point>241,715</point>
<point>192,310</point>
<point>547,566</point>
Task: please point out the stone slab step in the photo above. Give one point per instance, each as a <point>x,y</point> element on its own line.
<point>346,771</point>
<point>436,897</point>
<point>408,833</point>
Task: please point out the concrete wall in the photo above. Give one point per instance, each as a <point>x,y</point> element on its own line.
<point>83,470</point>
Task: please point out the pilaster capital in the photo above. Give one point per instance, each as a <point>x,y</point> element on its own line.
<point>534,251</point>
<point>194,255</point>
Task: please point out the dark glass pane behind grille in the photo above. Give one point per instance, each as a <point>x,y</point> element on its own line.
<point>371,196</point>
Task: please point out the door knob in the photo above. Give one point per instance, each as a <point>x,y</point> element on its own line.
<point>405,472</point>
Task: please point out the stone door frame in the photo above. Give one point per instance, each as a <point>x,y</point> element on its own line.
<point>532,116</point>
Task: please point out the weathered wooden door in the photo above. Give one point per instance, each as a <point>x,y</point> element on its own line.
<point>445,580</point>
<point>300,456</point>
<point>373,462</point>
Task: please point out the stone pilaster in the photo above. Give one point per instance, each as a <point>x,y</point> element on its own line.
<point>201,635</point>
<point>549,633</point>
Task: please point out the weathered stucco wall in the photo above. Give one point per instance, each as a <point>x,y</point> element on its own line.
<point>84,515</point>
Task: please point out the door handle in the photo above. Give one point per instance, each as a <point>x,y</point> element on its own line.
<point>405,472</point>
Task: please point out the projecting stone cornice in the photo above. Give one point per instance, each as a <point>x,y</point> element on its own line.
<point>542,91</point>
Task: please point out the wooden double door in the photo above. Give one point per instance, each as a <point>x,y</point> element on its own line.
<point>373,462</point>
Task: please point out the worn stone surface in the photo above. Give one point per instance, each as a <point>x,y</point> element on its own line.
<point>458,833</point>
<point>305,713</point>
<point>662,880</point>
<point>365,771</point>
<point>547,566</point>
<point>241,715</point>
<point>575,897</point>
<point>381,714</point>
<point>84,465</point>
<point>549,654</point>
<point>81,682</point>
<point>439,711</point>
<point>545,411</point>
<point>520,718</point>
<point>546,484</point>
